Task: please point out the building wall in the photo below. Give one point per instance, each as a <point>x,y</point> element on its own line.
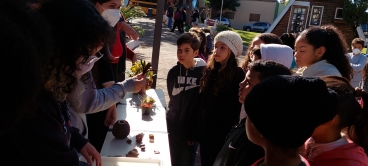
<point>328,17</point>
<point>201,4</point>
<point>241,17</point>
<point>281,27</point>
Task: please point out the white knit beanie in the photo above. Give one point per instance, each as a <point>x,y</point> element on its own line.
<point>232,40</point>
<point>279,53</point>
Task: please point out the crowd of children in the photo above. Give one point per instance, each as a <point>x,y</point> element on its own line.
<point>295,98</point>
<point>263,112</point>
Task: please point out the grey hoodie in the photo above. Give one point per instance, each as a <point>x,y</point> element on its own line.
<point>87,99</point>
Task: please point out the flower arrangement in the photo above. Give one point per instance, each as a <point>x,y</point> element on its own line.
<point>147,104</point>
<point>142,67</point>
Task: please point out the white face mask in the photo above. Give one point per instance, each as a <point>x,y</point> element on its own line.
<point>356,51</point>
<point>83,68</point>
<point>112,16</point>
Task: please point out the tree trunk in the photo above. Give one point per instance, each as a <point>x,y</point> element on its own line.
<point>189,12</point>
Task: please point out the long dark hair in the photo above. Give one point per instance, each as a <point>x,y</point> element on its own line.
<point>203,39</point>
<point>336,48</point>
<point>267,38</point>
<point>77,29</point>
<point>350,113</point>
<point>25,48</point>
<point>225,71</point>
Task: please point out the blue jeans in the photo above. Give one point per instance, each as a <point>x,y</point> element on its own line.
<point>181,153</point>
<point>169,24</point>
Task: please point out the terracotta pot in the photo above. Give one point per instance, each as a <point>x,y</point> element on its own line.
<point>121,129</point>
<point>147,105</point>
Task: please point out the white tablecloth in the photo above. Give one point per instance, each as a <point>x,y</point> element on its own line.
<point>155,123</point>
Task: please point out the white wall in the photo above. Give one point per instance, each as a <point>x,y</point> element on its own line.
<point>241,17</point>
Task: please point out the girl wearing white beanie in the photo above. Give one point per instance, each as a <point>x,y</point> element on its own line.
<point>219,91</point>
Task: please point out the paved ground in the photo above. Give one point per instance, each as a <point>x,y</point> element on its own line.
<point>167,57</point>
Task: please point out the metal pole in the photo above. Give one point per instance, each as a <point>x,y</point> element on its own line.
<point>222,4</point>
<point>157,39</point>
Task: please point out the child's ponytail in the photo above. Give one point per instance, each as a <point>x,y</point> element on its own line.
<point>333,40</point>
<point>351,114</point>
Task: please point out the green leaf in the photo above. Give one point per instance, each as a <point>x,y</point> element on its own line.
<point>354,13</point>
<point>216,4</point>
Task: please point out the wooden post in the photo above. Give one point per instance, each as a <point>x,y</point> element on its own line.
<point>157,39</point>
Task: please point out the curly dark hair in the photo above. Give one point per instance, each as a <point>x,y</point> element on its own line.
<point>77,29</point>
<point>26,47</point>
<point>267,68</point>
<point>288,39</point>
<point>332,39</point>
<point>267,38</point>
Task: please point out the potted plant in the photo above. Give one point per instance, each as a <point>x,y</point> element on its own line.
<point>147,104</point>
<point>142,67</point>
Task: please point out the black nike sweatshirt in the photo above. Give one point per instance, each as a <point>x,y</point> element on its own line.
<point>184,104</point>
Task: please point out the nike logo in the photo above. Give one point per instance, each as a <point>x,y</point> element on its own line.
<point>176,91</point>
<point>231,147</point>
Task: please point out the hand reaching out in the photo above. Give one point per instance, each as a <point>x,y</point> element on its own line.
<point>140,83</point>
<point>129,31</point>
<point>111,116</point>
<point>91,155</point>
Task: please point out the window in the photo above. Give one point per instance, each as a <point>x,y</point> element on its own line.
<point>316,16</point>
<point>297,20</point>
<point>338,13</point>
<point>254,17</point>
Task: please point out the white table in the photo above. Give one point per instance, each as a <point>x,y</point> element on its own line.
<point>155,123</point>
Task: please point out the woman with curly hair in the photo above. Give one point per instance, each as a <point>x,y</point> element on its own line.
<point>219,91</point>
<point>321,51</point>
<point>263,38</point>
<point>109,70</point>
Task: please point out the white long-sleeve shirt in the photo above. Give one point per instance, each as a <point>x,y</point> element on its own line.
<point>357,62</point>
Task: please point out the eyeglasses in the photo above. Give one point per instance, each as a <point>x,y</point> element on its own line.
<point>95,58</point>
